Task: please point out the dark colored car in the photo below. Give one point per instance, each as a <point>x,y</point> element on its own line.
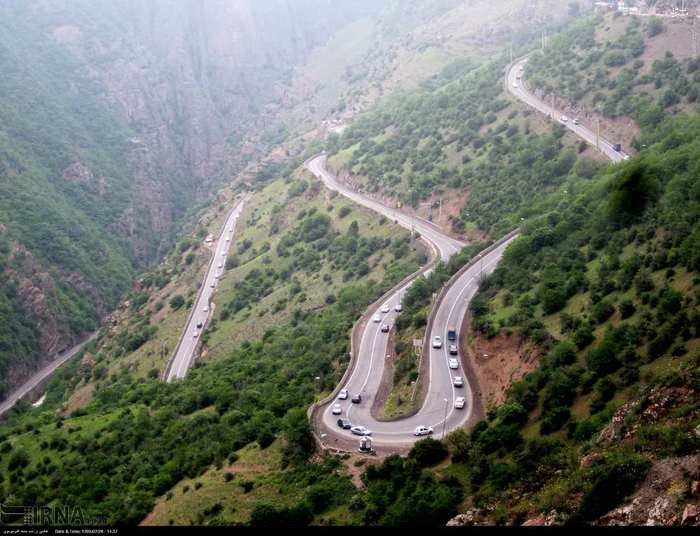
<point>344,424</point>
<point>386,328</point>
<point>451,334</point>
<point>356,399</point>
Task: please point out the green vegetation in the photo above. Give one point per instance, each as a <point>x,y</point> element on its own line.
<point>623,243</point>
<point>460,132</point>
<point>597,62</point>
<point>52,116</point>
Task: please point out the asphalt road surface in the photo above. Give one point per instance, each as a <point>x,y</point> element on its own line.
<point>438,410</point>
<point>518,88</point>
<point>41,375</point>
<point>201,312</point>
<point>446,245</point>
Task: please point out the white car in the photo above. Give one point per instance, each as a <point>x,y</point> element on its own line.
<point>360,430</point>
<point>337,409</point>
<point>195,334</point>
<point>223,253</point>
<point>454,364</point>
<point>376,318</point>
<point>437,342</point>
<point>213,285</point>
<point>206,309</point>
<point>220,265</point>
<point>422,430</point>
<point>453,349</point>
<point>228,239</point>
<point>576,121</point>
<point>398,308</point>
<point>459,402</point>
<point>343,394</point>
<point>515,85</point>
<point>458,381</point>
<point>385,308</point>
<point>564,119</point>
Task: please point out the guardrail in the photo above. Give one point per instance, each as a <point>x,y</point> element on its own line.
<point>355,334</point>
<point>450,283</point>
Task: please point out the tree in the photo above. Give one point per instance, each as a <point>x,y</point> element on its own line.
<point>427,452</point>
<point>177,302</point>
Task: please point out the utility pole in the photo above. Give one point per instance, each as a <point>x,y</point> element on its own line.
<point>597,133</point>
<point>440,209</point>
<point>444,421</point>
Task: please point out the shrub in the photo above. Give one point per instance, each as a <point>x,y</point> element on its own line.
<point>177,302</point>
<point>612,481</point>
<point>427,452</point>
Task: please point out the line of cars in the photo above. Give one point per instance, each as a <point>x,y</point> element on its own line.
<point>386,308</point>
<point>337,409</point>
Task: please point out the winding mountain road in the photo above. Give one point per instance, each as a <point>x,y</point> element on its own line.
<point>438,410</point>
<point>515,83</point>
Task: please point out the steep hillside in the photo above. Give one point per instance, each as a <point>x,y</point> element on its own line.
<point>621,70</point>
<point>119,117</point>
<point>461,139</point>
<point>605,280</point>
<point>116,119</point>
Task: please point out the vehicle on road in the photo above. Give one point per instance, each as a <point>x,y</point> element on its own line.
<point>626,157</point>
<point>360,430</point>
<point>398,307</point>
<point>564,119</point>
<point>356,399</point>
<point>205,309</point>
<point>576,122</point>
<point>617,147</point>
<point>195,334</point>
<point>422,431</point>
<point>228,239</point>
<point>376,318</point>
<point>344,424</point>
<point>458,381</point>
<point>386,328</point>
<point>385,308</point>
<point>199,325</point>
<point>220,266</point>
<point>453,349</point>
<point>515,85</point>
<point>343,394</point>
<point>337,409</point>
<point>459,402</point>
<point>213,285</point>
<point>454,364</point>
<point>451,334</point>
<point>223,253</point>
<point>437,342</point>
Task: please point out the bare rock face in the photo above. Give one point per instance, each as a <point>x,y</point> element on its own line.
<point>658,500</point>
<point>467,519</point>
<point>690,515</point>
<point>543,520</point>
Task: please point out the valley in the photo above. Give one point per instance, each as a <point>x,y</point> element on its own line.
<point>375,264</point>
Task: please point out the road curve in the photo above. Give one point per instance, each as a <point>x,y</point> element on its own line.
<point>518,88</point>
<point>438,409</point>
<point>184,354</point>
<point>41,375</point>
<point>446,245</point>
